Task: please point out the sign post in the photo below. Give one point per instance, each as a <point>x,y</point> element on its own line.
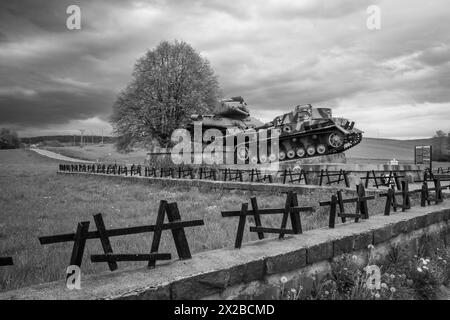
<point>424,155</point>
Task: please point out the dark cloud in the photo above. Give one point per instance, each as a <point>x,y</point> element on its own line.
<point>276,54</point>
<point>54,107</point>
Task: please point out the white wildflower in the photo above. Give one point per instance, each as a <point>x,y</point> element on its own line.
<point>419,269</point>
<point>283,279</point>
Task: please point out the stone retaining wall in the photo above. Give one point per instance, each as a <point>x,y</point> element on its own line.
<point>255,270</point>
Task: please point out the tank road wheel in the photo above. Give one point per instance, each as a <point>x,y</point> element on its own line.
<point>242,153</point>
<point>311,150</point>
<point>272,157</point>
<point>287,128</point>
<point>254,160</point>
<point>336,140</point>
<point>321,149</point>
<point>301,152</point>
<point>263,158</point>
<point>291,154</point>
<point>282,155</point>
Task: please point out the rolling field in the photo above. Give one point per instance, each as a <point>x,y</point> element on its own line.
<point>35,201</point>
<point>370,150</point>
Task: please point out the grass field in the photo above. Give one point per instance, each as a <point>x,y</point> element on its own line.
<point>35,201</point>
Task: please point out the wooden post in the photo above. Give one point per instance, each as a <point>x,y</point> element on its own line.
<point>438,190</point>
<point>241,226</point>
<point>106,244</point>
<point>341,205</point>
<point>79,243</point>
<point>389,200</point>
<point>406,203</point>
<point>424,195</point>
<point>178,234</point>
<point>256,216</point>
<point>347,183</point>
<point>332,219</point>
<point>295,215</point>
<point>321,177</point>
<point>6,261</point>
<point>361,206</point>
<point>157,233</point>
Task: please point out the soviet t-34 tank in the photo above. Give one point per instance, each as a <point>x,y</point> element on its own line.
<point>231,114</point>
<point>303,133</point>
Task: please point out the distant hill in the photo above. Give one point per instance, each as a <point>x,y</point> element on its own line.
<point>373,148</point>
<point>68,139</point>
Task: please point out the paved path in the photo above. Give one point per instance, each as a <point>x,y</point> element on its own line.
<point>58,156</point>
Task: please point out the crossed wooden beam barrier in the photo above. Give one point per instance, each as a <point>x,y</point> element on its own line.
<point>82,234</point>
<point>232,174</point>
<point>294,176</point>
<point>425,193</point>
<point>338,202</point>
<point>291,210</point>
<point>185,173</point>
<point>387,181</point>
<point>257,176</point>
<point>342,175</point>
<point>391,200</point>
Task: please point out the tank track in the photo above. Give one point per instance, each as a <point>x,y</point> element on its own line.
<point>350,140</point>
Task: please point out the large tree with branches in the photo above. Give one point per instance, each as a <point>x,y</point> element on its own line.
<point>168,84</point>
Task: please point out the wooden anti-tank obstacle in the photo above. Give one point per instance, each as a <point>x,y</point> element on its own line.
<point>294,176</point>
<point>393,179</point>
<point>337,202</point>
<point>427,198</point>
<point>391,200</point>
<point>291,210</point>
<point>232,175</point>
<point>342,175</point>
<point>257,176</point>
<point>82,234</point>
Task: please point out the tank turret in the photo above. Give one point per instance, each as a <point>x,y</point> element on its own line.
<point>230,114</point>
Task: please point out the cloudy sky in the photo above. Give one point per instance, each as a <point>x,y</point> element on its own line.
<point>394,82</point>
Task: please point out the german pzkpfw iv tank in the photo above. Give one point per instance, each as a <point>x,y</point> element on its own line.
<point>310,132</point>
<point>303,133</point>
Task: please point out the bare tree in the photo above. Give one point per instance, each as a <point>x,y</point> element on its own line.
<point>168,84</point>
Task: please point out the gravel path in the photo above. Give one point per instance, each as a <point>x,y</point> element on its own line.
<point>57,156</point>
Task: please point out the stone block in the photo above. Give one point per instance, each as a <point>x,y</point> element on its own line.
<point>362,240</point>
<point>200,286</point>
<point>383,234</point>
<point>400,227</point>
<point>286,262</point>
<point>420,222</point>
<point>320,252</point>
<point>343,245</point>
